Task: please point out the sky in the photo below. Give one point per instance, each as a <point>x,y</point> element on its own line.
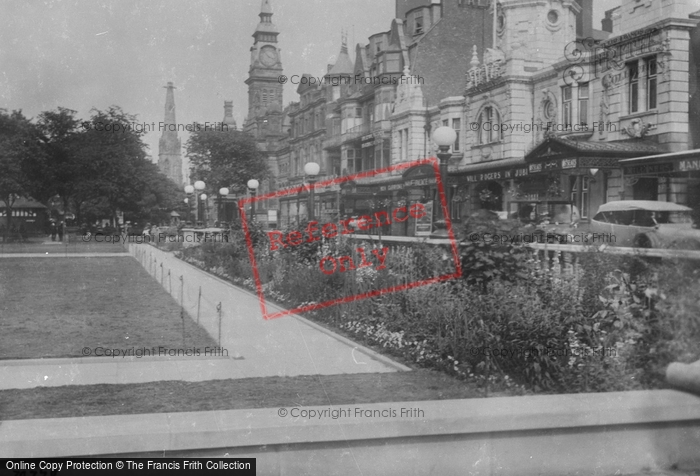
<point>84,54</point>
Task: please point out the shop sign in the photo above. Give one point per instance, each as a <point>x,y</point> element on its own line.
<point>389,188</point>
<point>648,169</point>
<point>420,182</point>
<point>424,224</point>
<point>534,168</point>
<point>568,163</point>
<point>689,165</point>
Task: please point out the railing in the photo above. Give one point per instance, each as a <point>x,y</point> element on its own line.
<point>355,132</point>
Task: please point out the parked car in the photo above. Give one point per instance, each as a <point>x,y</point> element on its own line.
<point>647,224</point>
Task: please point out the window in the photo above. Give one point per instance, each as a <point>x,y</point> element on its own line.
<point>566,106</point>
<point>583,104</point>
<point>580,200</point>
<point>652,71</point>
<point>370,113</point>
<point>457,126</point>
<point>386,153</point>
<point>633,74</point>
<point>379,46</point>
<point>393,64</point>
<point>358,112</point>
<point>419,25</point>
<point>489,123</point>
<point>368,163</point>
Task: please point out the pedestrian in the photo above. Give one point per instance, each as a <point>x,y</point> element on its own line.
<point>60,231</point>
<point>53,231</point>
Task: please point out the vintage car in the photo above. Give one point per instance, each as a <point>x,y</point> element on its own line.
<point>647,224</point>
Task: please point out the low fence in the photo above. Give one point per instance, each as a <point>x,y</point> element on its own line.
<point>193,298</point>
<point>556,258</point>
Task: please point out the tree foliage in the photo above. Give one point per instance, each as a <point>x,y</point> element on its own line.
<point>21,156</point>
<point>94,171</point>
<point>225,159</point>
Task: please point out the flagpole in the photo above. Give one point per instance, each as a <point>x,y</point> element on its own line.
<point>495,13</point>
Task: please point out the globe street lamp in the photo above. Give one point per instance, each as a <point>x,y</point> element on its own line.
<point>203,198</point>
<point>199,186</point>
<point>187,202</point>
<point>252,186</point>
<point>311,169</point>
<point>189,190</point>
<point>223,191</point>
<point>444,137</point>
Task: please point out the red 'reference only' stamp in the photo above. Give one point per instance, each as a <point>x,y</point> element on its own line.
<point>364,255</point>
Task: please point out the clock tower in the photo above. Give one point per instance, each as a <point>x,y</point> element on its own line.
<point>264,87</point>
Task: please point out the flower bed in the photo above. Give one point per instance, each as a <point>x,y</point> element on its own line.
<point>613,325</point>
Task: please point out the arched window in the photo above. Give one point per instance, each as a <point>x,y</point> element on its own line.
<point>489,125</point>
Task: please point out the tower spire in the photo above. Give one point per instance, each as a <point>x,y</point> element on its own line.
<point>169,146</point>
<point>169,104</point>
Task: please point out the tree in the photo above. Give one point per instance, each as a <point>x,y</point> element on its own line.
<point>63,172</point>
<point>113,164</point>
<point>21,149</point>
<point>225,159</point>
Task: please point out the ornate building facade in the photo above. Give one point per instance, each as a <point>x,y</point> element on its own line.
<point>545,107</point>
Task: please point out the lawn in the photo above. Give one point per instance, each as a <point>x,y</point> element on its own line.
<point>71,244</point>
<point>269,392</point>
<point>54,307</point>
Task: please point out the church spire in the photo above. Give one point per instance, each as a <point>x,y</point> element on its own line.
<point>170,105</point>
<point>169,146</point>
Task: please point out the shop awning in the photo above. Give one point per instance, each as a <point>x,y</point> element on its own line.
<point>560,153</point>
<point>673,162</point>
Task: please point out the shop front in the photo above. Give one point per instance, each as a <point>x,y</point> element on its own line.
<point>672,177</point>
<point>583,173</point>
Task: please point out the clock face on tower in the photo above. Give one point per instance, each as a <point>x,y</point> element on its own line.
<point>268,55</point>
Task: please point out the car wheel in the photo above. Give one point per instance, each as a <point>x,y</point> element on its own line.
<point>642,241</point>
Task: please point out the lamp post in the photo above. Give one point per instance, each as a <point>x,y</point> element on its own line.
<point>203,198</point>
<point>444,137</point>
<point>252,186</point>
<point>189,190</point>
<point>199,186</point>
<point>187,202</point>
<point>311,169</point>
<point>223,191</point>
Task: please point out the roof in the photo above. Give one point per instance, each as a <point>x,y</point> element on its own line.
<point>608,146</point>
<point>489,164</point>
<point>343,64</point>
<point>651,205</point>
<point>671,155</point>
<point>23,203</point>
<point>553,146</point>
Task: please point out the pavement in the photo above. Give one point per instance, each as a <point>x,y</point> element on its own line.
<point>250,345</point>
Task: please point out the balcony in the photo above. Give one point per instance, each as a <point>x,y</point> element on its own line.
<point>355,133</point>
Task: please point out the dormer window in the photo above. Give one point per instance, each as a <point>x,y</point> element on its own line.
<point>379,46</point>
<point>418,25</point>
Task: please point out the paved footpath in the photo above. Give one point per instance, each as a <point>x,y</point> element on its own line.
<point>286,346</point>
